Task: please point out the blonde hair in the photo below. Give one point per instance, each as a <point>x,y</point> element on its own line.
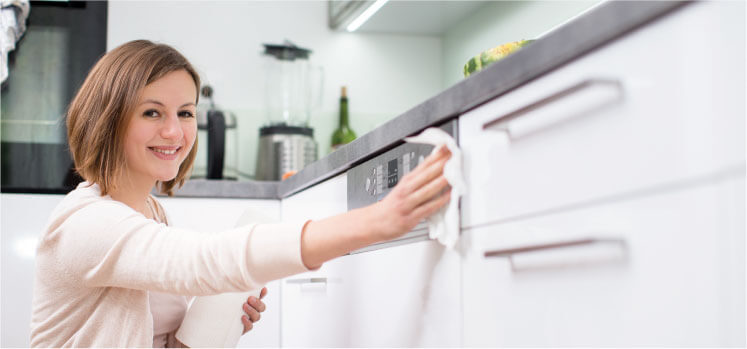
<point>99,115</point>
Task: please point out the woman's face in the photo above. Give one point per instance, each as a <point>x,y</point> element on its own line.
<point>162,129</point>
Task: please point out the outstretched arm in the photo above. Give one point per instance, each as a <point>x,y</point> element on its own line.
<point>419,194</point>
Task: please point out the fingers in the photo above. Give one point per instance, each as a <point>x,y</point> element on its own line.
<point>421,176</point>
<point>432,206</point>
<point>442,151</point>
<point>428,191</point>
<point>251,312</point>
<point>247,324</point>
<point>252,308</point>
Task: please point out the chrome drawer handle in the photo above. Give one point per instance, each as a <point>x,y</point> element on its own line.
<point>316,280</point>
<point>549,246</point>
<point>587,96</point>
<point>619,254</point>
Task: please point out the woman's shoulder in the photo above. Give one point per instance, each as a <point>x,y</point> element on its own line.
<point>86,203</point>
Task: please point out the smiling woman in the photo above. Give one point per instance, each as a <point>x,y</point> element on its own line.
<point>100,115</point>
<point>161,134</point>
<point>110,271</point>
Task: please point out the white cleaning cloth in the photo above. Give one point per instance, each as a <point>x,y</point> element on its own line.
<point>444,224</point>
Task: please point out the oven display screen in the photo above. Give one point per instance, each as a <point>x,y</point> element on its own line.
<point>392,173</point>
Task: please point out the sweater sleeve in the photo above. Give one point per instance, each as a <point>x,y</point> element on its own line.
<point>109,244</point>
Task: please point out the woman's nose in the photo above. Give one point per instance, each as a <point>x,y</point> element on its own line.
<point>171,128</point>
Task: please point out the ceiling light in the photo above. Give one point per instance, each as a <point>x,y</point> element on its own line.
<point>365,15</point>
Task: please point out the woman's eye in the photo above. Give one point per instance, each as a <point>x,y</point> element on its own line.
<point>151,113</point>
<point>186,114</point>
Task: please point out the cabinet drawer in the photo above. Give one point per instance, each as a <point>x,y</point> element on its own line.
<point>664,270</point>
<point>402,296</point>
<point>630,117</point>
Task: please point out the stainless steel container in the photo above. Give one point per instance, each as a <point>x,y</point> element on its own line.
<point>283,149</point>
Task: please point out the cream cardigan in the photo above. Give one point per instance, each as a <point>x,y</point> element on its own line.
<point>97,259</point>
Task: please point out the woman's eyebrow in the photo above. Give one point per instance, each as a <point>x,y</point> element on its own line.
<point>161,104</point>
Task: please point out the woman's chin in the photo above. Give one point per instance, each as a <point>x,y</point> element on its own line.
<point>167,177</point>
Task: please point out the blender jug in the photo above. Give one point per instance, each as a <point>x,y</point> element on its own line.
<point>286,142</point>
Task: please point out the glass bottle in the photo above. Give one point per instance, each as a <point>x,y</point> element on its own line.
<point>343,134</point>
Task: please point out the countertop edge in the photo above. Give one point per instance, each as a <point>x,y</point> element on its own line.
<point>211,188</point>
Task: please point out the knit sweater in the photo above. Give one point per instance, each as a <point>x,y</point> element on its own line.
<point>97,259</point>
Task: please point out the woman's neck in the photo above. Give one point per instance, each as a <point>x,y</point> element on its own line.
<point>133,194</point>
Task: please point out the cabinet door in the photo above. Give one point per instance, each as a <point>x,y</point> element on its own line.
<point>662,270</point>
<point>400,296</point>
<point>628,118</point>
<point>403,296</point>
<point>311,303</point>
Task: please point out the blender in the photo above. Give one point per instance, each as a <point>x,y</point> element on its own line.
<point>286,142</point>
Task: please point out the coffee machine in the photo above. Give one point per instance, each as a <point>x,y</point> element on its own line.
<point>217,147</point>
<point>293,88</point>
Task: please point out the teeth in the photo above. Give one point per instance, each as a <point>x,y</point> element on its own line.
<point>167,152</point>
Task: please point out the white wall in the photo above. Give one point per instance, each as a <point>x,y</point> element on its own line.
<point>499,22</point>
<point>385,74</point>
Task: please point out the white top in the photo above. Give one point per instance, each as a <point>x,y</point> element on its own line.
<point>98,258</point>
<point>167,309</point>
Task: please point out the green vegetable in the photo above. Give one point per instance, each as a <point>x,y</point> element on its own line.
<point>492,55</point>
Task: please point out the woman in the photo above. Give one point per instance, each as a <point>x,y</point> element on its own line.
<point>108,244</point>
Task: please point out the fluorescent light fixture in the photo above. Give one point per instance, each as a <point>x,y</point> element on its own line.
<point>365,15</point>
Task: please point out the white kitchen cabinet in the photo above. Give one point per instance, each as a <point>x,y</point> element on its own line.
<point>402,296</point>
<point>310,304</point>
<point>23,218</point>
<point>661,106</point>
<point>667,270</point>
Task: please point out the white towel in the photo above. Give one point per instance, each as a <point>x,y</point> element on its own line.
<point>215,321</point>
<point>444,224</point>
<point>13,14</point>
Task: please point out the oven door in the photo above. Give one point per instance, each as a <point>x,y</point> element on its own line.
<point>62,42</point>
<point>372,180</point>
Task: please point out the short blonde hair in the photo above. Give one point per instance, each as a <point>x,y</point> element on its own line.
<point>98,116</point>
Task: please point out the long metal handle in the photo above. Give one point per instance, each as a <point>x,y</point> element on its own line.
<point>316,280</point>
<point>508,252</point>
<point>588,95</point>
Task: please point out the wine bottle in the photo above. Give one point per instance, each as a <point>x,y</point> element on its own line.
<point>343,134</point>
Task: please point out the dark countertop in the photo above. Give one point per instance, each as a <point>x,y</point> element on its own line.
<point>579,37</point>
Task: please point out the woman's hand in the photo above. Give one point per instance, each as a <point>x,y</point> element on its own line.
<point>418,195</point>
<point>252,308</point>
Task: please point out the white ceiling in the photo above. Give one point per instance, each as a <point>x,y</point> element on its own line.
<point>419,17</point>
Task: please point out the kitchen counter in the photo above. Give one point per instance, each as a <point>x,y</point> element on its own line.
<point>580,36</point>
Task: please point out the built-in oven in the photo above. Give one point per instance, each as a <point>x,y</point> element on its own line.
<point>63,40</point>
<point>372,180</point>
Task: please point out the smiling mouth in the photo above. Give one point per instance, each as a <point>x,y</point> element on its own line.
<point>166,153</point>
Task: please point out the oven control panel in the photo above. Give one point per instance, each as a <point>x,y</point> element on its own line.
<point>373,179</point>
